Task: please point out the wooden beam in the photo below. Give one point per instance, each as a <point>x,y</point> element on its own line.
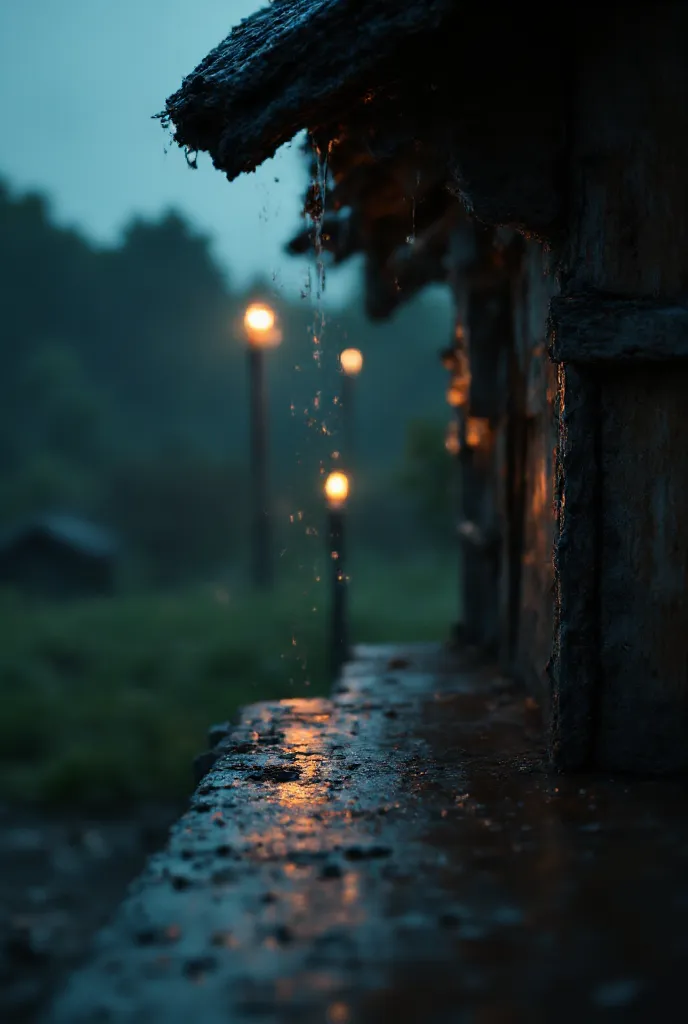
<point>588,329</point>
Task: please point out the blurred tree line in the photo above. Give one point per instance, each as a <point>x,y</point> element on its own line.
<point>123,395</point>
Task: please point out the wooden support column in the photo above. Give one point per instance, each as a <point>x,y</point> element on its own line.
<point>532,427</point>
<point>512,461</point>
<point>482,290</point>
<point>479,533</point>
<point>489,332</point>
<point>620,336</point>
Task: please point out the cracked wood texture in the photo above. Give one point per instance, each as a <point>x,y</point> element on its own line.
<point>532,291</point>
<point>622,613</point>
<point>296,64</point>
<point>399,853</point>
<point>404,75</point>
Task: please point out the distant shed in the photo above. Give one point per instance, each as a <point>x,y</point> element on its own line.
<point>58,556</point>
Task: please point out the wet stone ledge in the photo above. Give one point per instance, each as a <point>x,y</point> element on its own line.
<point>400,853</point>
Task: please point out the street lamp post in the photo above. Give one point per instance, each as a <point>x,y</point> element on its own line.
<point>351,362</point>
<point>336,493</point>
<point>262,333</point>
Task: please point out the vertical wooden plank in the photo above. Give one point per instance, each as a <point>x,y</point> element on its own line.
<point>489,340</point>
<point>620,693</point>
<point>630,153</point>
<point>479,535</point>
<point>644,570</point>
<point>574,668</point>
<point>506,492</point>
<point>535,595</point>
<point>511,475</point>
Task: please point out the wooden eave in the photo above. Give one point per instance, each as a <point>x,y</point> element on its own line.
<point>297,64</point>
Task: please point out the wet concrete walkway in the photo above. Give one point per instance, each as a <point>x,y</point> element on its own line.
<point>399,853</point>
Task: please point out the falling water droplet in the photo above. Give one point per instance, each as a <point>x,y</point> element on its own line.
<point>411,239</point>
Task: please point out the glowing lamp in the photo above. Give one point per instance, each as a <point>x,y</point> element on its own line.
<point>456,396</point>
<point>477,431</point>
<point>259,318</point>
<point>337,489</point>
<point>351,360</point>
<point>261,326</point>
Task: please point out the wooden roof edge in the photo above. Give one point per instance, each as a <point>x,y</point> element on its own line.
<point>290,66</point>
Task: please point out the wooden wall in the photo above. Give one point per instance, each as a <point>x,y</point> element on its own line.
<point>619,333</point>
<point>506,526</point>
<point>536,432</point>
<point>586,462</point>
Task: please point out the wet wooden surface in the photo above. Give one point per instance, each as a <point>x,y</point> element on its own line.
<point>399,853</point>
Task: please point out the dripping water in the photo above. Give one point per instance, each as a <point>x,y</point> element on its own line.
<point>315,414</point>
<point>411,238</point>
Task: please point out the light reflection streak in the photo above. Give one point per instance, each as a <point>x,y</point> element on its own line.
<point>308,825</point>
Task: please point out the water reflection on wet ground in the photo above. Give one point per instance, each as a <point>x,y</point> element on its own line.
<point>401,854</point>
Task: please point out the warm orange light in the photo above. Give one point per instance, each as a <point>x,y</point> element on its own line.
<point>337,489</point>
<point>351,360</point>
<point>477,431</point>
<point>456,395</point>
<point>338,1013</point>
<point>259,318</point>
<point>261,326</point>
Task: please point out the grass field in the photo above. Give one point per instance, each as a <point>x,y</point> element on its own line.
<point>108,701</point>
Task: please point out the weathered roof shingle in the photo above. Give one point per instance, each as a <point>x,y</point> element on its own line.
<point>296,64</point>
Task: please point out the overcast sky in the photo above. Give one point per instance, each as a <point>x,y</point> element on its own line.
<point>80,81</point>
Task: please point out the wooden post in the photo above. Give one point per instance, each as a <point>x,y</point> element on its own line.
<point>511,461</point>
<point>483,303</point>
<point>261,540</point>
<point>339,646</point>
<point>532,426</point>
<point>479,532</point>
<point>620,336</point>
